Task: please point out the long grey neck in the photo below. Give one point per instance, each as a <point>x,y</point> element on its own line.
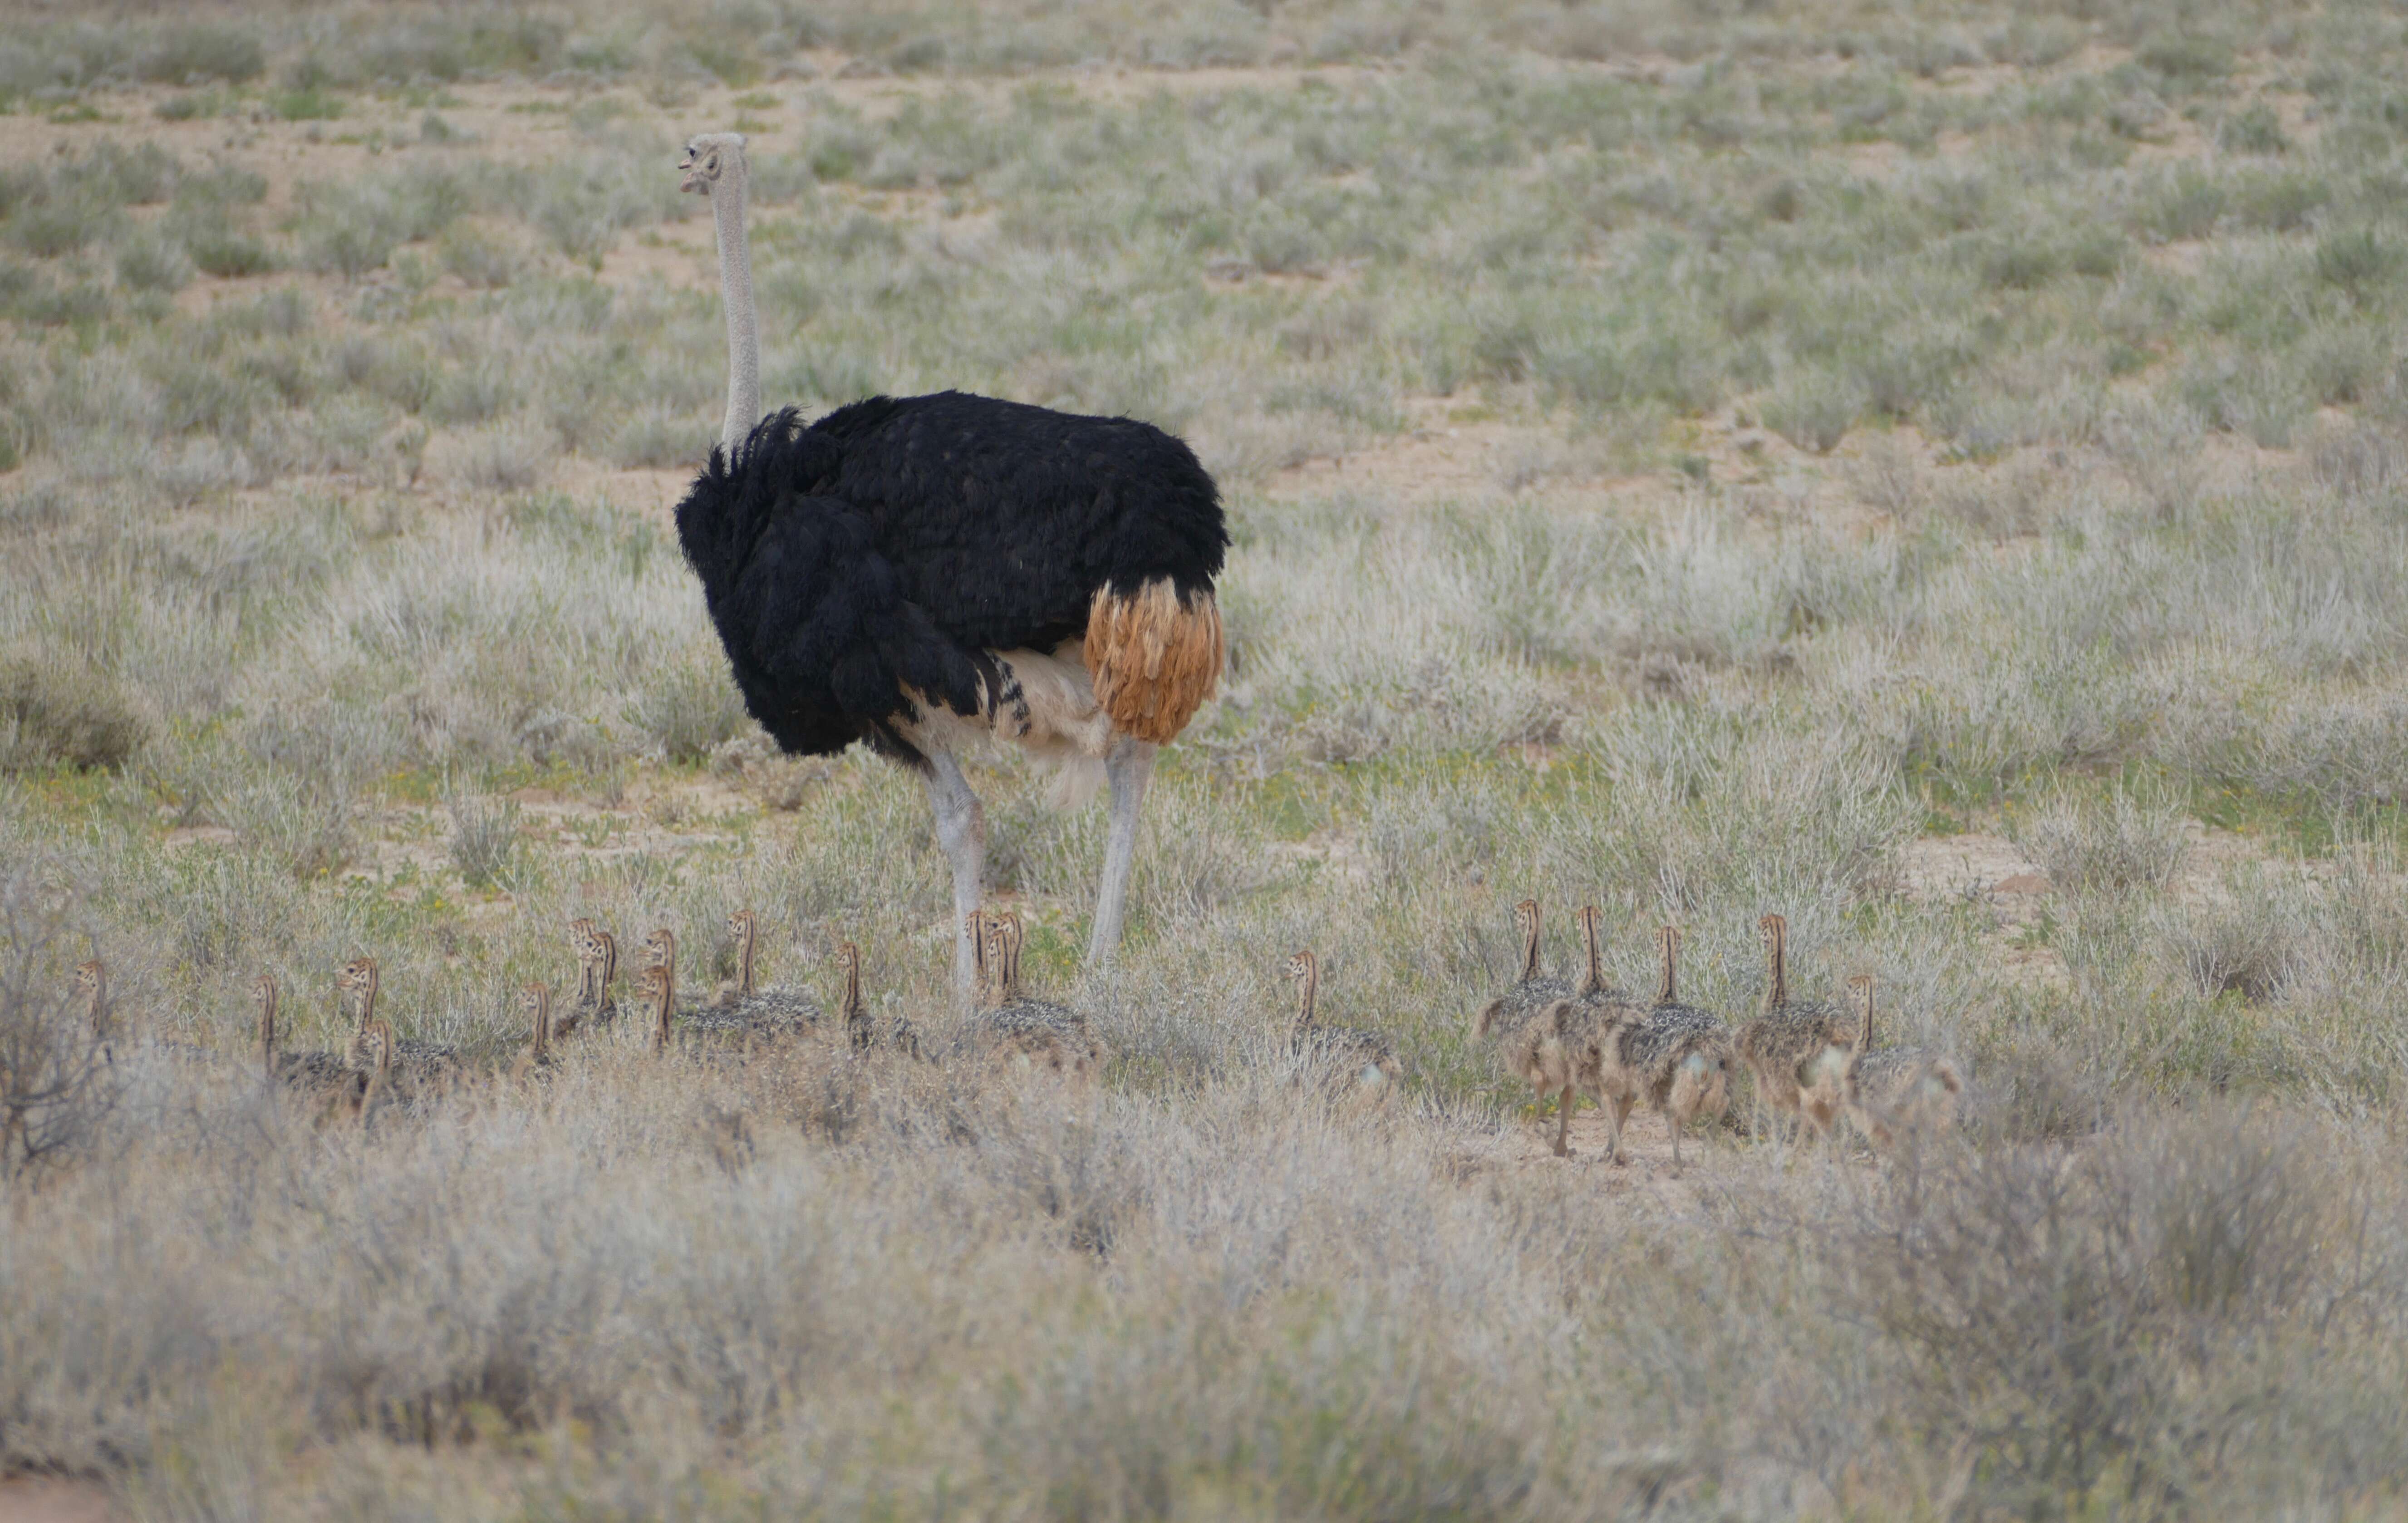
<point>743,325</point>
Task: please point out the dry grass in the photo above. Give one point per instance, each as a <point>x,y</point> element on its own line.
<point>1678,457</point>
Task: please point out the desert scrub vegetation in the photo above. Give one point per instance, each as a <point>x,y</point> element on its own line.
<point>1938,476</point>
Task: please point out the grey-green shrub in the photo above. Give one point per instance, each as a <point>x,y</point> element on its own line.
<point>58,711</point>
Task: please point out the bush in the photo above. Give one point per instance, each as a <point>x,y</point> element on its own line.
<point>659,438</point>
<point>230,255</point>
<point>2185,57</point>
<point>2017,263</point>
<point>484,836</point>
<point>141,175</point>
<point>307,103</point>
<point>51,228</point>
<point>349,243</point>
<point>2061,1310</point>
<point>2185,207</point>
<point>55,715</point>
<point>186,53</point>
<point>1813,412</point>
<point>54,1068</point>
<point>2123,841</point>
<point>503,458</point>
<point>2246,948</point>
<point>300,819</point>
<point>479,259</point>
<point>153,265</point>
<point>2354,259</point>
<point>687,704</point>
<point>2257,130</point>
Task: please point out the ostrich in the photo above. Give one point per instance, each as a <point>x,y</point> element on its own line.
<point>322,1071</point>
<point>1592,1028</point>
<point>1348,1053</point>
<point>1523,1023</point>
<point>536,999</point>
<point>1678,1057</point>
<point>1016,1026</point>
<point>416,1060</point>
<point>1898,1089</point>
<point>597,963</point>
<point>861,1031</point>
<point>781,1008</point>
<point>91,981</point>
<point>1789,1040</point>
<point>919,571</point>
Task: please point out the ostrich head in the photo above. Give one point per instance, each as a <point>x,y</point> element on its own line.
<point>711,160</point>
<point>358,979</point>
<point>1304,969</point>
<point>535,1001</point>
<point>848,958</point>
<point>1525,926</point>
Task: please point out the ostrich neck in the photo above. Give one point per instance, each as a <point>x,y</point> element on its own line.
<point>743,323</point>
<point>268,1027</point>
<point>1593,981</point>
<point>1866,1040</point>
<point>1530,951</point>
<point>1664,981</point>
<point>852,1010</point>
<point>1305,989</point>
<point>367,999</point>
<point>744,960</point>
<point>1776,993</point>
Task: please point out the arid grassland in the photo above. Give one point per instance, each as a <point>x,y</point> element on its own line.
<point>1935,471</point>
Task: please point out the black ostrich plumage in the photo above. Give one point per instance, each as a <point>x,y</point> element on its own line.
<point>895,540</point>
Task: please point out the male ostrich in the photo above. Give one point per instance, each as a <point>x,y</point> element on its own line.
<point>917,571</point>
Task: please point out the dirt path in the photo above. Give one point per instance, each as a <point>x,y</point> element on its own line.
<point>1708,1153</point>
<point>41,1499</point>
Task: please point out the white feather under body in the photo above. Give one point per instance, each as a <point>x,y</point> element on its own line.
<point>1045,704</point>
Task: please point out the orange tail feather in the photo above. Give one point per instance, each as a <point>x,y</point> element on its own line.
<point>1154,658</point>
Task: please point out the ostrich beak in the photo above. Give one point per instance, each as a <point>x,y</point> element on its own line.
<point>689,180</point>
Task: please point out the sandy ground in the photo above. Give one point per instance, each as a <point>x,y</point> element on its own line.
<point>1646,1171</point>
<point>40,1499</point>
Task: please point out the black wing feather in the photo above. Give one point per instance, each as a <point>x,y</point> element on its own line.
<point>892,543</point>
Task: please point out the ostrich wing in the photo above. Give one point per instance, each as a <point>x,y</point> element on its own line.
<point>895,541</point>
<point>1004,520</point>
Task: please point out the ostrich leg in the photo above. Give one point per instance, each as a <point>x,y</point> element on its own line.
<point>1128,766</point>
<point>961,830</point>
